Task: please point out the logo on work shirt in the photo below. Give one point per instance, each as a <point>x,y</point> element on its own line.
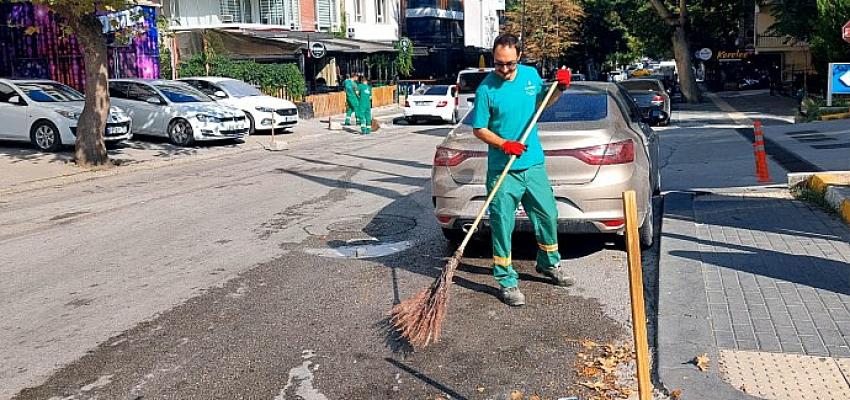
<point>530,89</point>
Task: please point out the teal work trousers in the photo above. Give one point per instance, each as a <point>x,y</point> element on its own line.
<point>530,188</point>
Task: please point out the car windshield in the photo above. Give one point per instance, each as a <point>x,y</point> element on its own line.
<point>239,89</point>
<point>182,93</point>
<point>45,92</point>
<point>572,107</point>
<point>469,81</point>
<point>640,85</point>
<point>433,90</point>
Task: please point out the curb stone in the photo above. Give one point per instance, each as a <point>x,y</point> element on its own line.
<point>684,329</point>
<point>834,186</point>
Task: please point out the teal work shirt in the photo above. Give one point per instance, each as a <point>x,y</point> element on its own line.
<point>365,95</point>
<point>506,108</point>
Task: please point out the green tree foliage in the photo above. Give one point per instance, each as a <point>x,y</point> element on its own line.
<point>550,26</point>
<point>269,77</point>
<point>818,22</point>
<point>404,59</point>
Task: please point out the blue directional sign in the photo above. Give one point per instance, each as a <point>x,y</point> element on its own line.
<point>839,78</point>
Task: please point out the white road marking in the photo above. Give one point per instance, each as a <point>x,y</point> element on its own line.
<point>302,376</point>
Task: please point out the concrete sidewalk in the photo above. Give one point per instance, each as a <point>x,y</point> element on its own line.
<point>758,281</point>
<point>25,168</point>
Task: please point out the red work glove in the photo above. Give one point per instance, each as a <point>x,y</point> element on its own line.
<point>564,76</point>
<point>512,148</point>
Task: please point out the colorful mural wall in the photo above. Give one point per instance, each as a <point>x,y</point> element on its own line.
<point>32,45</point>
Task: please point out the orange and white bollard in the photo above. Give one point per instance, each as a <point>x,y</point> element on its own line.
<point>762,174</point>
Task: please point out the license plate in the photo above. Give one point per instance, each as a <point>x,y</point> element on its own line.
<point>116,130</point>
<point>422,103</point>
<point>520,212</point>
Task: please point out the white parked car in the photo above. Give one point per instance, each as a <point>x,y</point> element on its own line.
<point>177,111</point>
<point>433,102</point>
<point>467,83</point>
<point>46,114</point>
<point>262,110</point>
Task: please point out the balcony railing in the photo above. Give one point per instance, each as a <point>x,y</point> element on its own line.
<point>778,41</point>
<point>451,5</point>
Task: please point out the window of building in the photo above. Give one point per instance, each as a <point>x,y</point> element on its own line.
<point>358,11</point>
<point>281,12</point>
<point>380,11</point>
<point>231,10</point>
<point>326,18</point>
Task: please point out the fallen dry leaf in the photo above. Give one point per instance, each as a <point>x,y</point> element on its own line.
<point>534,397</point>
<point>702,362</point>
<point>480,389</point>
<point>676,394</point>
<point>517,395</point>
<point>607,364</point>
<point>588,344</point>
<point>595,385</point>
<point>589,372</point>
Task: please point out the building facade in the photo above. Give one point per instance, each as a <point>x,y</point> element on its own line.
<point>375,20</point>
<point>788,57</point>
<point>481,22</point>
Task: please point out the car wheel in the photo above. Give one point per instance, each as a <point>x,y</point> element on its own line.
<point>251,127</point>
<point>45,136</point>
<point>454,236</point>
<point>646,232</point>
<point>180,132</point>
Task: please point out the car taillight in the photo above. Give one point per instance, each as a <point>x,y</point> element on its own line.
<point>657,98</point>
<point>442,103</point>
<point>406,103</point>
<point>447,157</point>
<point>607,154</point>
<point>613,223</point>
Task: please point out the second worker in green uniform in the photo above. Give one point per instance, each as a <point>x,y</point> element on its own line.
<point>365,113</point>
<point>505,103</point>
<point>352,102</point>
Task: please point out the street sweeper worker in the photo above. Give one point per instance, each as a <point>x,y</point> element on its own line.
<point>505,103</point>
<point>365,114</point>
<point>352,103</point>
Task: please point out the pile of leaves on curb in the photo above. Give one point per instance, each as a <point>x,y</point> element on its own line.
<point>600,371</point>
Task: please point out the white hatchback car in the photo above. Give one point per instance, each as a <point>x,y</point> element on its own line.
<point>46,113</point>
<point>177,111</point>
<point>263,111</point>
<point>433,102</point>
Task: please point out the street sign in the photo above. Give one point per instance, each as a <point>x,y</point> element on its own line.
<point>317,50</point>
<point>704,54</point>
<point>404,43</point>
<point>839,80</point>
<point>845,32</point>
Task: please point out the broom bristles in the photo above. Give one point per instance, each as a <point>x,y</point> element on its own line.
<point>419,318</point>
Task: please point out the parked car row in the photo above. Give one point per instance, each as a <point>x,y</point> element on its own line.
<point>46,113</point>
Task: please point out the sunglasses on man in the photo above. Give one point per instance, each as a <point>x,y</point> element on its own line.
<point>510,65</point>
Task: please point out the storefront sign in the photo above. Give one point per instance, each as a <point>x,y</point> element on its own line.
<point>839,80</point>
<point>317,50</point>
<point>732,55</point>
<point>704,54</point>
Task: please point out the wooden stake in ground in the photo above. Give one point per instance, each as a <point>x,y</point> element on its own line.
<point>636,294</point>
<point>418,319</point>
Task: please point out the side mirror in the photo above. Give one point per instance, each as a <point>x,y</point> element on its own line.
<point>220,94</point>
<point>655,117</point>
<point>16,100</point>
<point>153,100</point>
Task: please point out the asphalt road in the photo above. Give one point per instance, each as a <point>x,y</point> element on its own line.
<point>268,275</point>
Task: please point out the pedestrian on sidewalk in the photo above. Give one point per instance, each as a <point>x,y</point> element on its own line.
<point>505,103</point>
<point>365,114</point>
<point>352,101</point>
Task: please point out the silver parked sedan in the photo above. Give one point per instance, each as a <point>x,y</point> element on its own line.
<point>597,145</point>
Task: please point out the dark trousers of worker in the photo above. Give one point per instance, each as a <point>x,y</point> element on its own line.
<point>530,188</point>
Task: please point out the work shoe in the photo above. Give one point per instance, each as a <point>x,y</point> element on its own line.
<point>512,296</point>
<point>347,122</point>
<point>558,276</point>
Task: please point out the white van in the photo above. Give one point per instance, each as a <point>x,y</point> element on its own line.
<point>467,82</point>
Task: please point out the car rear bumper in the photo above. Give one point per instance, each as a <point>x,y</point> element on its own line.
<point>594,207</point>
<point>429,112</point>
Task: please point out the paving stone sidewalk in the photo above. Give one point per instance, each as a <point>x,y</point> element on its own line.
<point>769,278</point>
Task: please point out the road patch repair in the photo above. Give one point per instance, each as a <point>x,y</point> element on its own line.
<point>363,236</point>
<point>832,187</point>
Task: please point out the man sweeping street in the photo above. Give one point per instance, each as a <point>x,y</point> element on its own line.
<point>365,113</point>
<point>352,103</point>
<point>505,103</point>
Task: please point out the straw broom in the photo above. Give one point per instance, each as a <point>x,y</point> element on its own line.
<point>418,319</point>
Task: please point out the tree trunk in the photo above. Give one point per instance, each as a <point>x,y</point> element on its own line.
<point>90,149</point>
<point>682,53</point>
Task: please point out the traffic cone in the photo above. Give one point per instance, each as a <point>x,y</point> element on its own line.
<point>762,173</point>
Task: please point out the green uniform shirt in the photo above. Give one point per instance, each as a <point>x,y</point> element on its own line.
<point>365,95</point>
<point>349,87</point>
<point>506,108</point>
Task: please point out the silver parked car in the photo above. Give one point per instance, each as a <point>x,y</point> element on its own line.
<point>649,94</point>
<point>597,145</point>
